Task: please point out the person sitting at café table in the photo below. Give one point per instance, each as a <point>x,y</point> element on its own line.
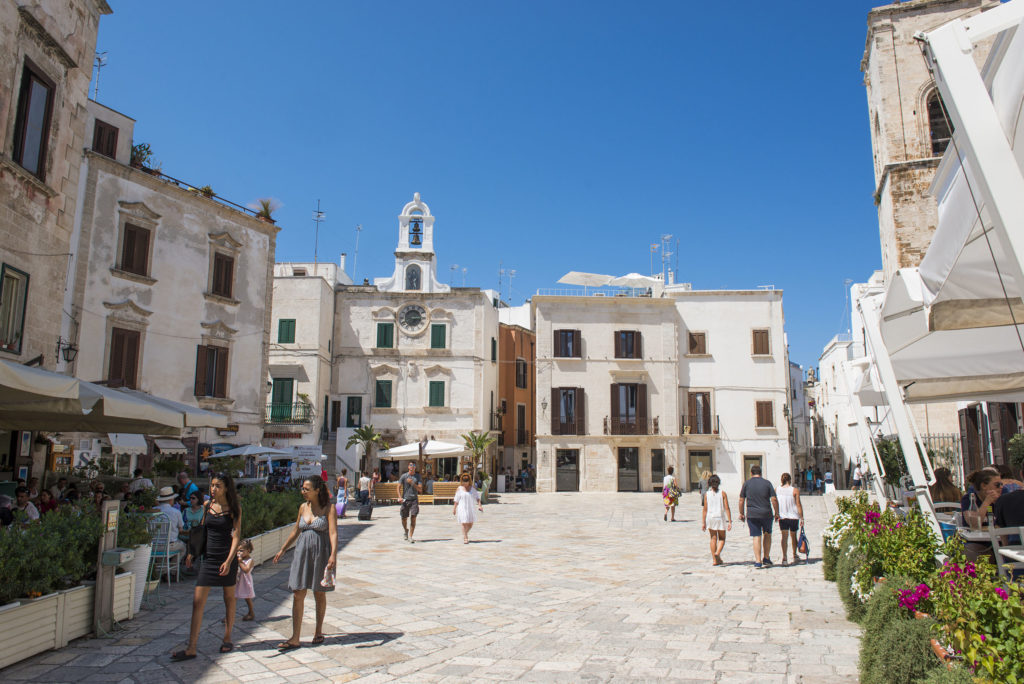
<point>139,482</point>
<point>944,490</point>
<point>24,505</point>
<point>98,497</point>
<point>163,504</point>
<point>33,488</point>
<point>187,486</point>
<point>1010,483</point>
<point>46,502</point>
<point>6,516</point>
<point>71,493</point>
<point>986,479</point>
<point>58,490</point>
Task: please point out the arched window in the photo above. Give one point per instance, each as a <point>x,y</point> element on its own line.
<point>939,125</point>
<point>412,277</point>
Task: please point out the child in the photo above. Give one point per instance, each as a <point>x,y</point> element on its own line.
<point>716,518</point>
<point>244,588</point>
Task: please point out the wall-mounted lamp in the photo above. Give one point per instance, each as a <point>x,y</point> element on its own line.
<point>66,350</point>
<point>543,404</point>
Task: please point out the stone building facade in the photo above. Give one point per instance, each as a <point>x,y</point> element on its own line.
<point>517,406</point>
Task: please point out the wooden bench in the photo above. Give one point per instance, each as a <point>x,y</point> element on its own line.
<point>425,498</point>
<point>387,492</point>
<point>445,491</point>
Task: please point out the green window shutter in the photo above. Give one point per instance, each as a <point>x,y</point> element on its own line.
<point>383,394</point>
<point>385,335</point>
<point>437,334</point>
<point>286,331</point>
<point>437,393</point>
<point>494,349</point>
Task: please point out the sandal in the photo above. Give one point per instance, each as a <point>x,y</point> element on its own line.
<point>182,655</point>
<point>287,646</point>
<point>248,618</point>
<point>226,647</point>
<point>318,639</point>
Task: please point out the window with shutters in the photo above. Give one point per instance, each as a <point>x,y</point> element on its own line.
<point>494,349</point>
<point>286,331</point>
<point>223,275</point>
<point>104,139</point>
<point>382,394</point>
<point>628,344</point>
<point>940,128</point>
<point>629,409</point>
<point>567,344</point>
<point>436,393</point>
<point>698,413</point>
<point>568,411</point>
<point>761,343</point>
<point>385,336</point>
<point>698,343</point>
<point>521,373</point>
<point>32,120</point>
<point>211,371</point>
<point>437,335</point>
<point>123,361</point>
<point>135,250</point>
<point>13,298</point>
<point>765,414</point>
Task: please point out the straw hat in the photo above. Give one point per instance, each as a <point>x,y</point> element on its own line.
<point>166,494</point>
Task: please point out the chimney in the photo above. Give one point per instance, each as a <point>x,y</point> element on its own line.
<point>342,261</point>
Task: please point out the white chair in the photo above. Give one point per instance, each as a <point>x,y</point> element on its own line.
<point>1009,557</point>
<point>163,554</point>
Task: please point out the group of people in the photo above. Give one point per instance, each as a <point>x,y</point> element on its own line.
<point>32,501</point>
<point>994,496</point>
<point>760,506</point>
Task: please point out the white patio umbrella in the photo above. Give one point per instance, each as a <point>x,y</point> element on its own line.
<point>585,279</point>
<point>634,280</point>
<point>193,415</point>
<point>249,450</point>
<point>430,448</point>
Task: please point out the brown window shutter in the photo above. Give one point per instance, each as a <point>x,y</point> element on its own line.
<point>761,342</point>
<point>618,344</point>
<point>221,390</point>
<point>692,343</point>
<point>638,346</point>
<point>581,415</point>
<point>706,410</point>
<point>615,401</point>
<point>115,369</point>
<point>128,249</point>
<point>200,387</point>
<point>577,344</point>
<point>141,251</point>
<point>641,407</point>
<point>131,358</point>
<point>556,410</point>
<point>691,409</point>
<point>229,273</point>
<point>556,347</point>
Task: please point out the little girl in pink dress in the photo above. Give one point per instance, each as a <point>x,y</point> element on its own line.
<point>243,587</point>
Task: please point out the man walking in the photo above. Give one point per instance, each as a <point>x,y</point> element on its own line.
<point>411,486</point>
<point>759,506</point>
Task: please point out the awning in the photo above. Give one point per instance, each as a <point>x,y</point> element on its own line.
<point>289,370</point>
<point>127,443</point>
<point>193,415</point>
<point>432,448</point>
<point>170,446</point>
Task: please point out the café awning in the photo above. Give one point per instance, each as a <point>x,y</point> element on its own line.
<point>169,447</point>
<point>431,447</point>
<point>193,415</point>
<point>127,443</point>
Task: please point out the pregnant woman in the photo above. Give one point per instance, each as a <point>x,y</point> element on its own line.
<point>222,517</point>
<point>316,552</point>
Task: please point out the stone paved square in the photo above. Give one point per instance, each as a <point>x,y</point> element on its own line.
<point>562,587</point>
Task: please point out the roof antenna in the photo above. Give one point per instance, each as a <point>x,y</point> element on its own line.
<point>355,260</point>
<point>318,217</point>
<point>99,63</point>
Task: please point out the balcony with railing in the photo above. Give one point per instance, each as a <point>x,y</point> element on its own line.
<point>631,426</point>
<point>700,424</point>
<point>289,414</point>
<point>522,437</point>
<point>565,428</point>
<point>496,421</point>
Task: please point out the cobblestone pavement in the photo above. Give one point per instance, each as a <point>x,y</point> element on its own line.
<point>554,587</point>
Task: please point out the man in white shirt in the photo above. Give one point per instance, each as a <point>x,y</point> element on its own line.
<point>858,475</point>
<point>24,505</point>
<point>139,483</point>
<point>163,504</point>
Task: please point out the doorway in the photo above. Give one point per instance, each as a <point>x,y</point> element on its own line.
<point>629,469</point>
<point>749,461</point>
<point>700,460</point>
<point>658,468</point>
<point>567,470</point>
<point>281,399</point>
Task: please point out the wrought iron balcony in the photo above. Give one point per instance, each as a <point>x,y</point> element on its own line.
<point>630,426</point>
<point>699,424</point>
<point>566,428</point>
<point>522,437</point>
<point>278,414</point>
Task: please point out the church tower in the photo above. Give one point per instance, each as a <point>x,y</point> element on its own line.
<point>415,261</point>
<point>909,128</point>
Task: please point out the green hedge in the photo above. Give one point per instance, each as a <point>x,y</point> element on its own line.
<point>262,511</point>
<point>902,654</point>
<point>849,561</point>
<point>940,675</point>
<point>829,558</point>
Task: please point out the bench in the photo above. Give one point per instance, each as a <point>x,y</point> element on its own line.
<point>445,491</point>
<point>425,498</point>
<point>387,492</point>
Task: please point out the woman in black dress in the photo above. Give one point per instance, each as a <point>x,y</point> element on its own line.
<point>219,567</point>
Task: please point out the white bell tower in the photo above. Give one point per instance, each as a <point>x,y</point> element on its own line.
<point>415,261</point>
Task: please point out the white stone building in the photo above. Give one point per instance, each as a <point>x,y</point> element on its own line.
<point>414,357</point>
<point>799,419</point>
<point>170,292</point>
<point>627,386</point>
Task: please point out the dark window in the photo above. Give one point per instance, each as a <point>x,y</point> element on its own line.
<point>698,343</point>
<point>385,335</point>
<point>286,331</point>
<point>104,139</point>
<point>939,125</point>
<point>412,277</point>
<point>628,344</point>
<point>698,417</point>
<point>354,411</point>
<point>123,368</point>
<point>211,371</point>
<point>761,344</point>
<point>658,465</point>
<point>223,273</point>
<point>567,344</point>
<point>13,297</point>
<point>382,394</point>
<point>629,409</point>
<point>135,250</point>
<point>437,393</point>
<point>568,408</point>
<point>32,125</point>
<point>437,336</point>
<point>765,414</point>
<point>521,373</point>
<point>494,349</point>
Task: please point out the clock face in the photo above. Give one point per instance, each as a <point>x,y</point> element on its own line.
<point>412,317</point>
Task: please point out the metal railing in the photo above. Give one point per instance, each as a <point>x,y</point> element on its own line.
<point>698,425</point>
<point>214,197</point>
<point>631,426</point>
<point>522,437</point>
<point>594,292</point>
<point>566,428</point>
<point>496,421</point>
<point>289,413</point>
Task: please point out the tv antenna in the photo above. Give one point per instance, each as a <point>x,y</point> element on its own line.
<point>451,275</point>
<point>464,269</point>
<point>99,63</point>
<point>666,257</point>
<point>318,217</point>
<point>355,259</point>
<point>654,248</point>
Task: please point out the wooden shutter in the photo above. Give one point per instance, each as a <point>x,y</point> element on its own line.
<point>706,412</point>
<point>638,345</point>
<point>229,268</point>
<point>764,414</point>
<point>141,260</point>
<point>641,408</point>
<point>615,402</point>
<point>115,367</point>
<point>200,384</point>
<point>556,411</point>
<point>691,410</point>
<point>221,388</point>
<point>761,346</point>
<point>581,415</point>
<point>131,358</point>
<point>577,344</point>
<point>618,343</point>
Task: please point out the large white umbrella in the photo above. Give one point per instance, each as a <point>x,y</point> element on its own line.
<point>248,450</point>
<point>585,279</point>
<point>430,448</point>
<point>193,415</point>
<point>634,280</point>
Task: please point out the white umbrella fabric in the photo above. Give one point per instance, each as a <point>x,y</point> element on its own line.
<point>585,279</point>
<point>248,450</point>
<point>634,280</point>
<point>430,448</point>
<point>193,415</point>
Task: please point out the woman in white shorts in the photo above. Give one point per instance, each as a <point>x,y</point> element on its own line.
<point>716,517</point>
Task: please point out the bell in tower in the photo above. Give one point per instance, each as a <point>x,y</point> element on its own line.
<point>416,232</point>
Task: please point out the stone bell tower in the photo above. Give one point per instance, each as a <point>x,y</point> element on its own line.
<point>415,261</point>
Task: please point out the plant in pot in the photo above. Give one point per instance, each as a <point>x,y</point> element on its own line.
<point>206,191</point>
<point>141,155</point>
<point>133,533</point>
<point>265,208</point>
<point>1016,449</point>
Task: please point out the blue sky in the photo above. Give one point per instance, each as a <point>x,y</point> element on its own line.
<point>546,136</point>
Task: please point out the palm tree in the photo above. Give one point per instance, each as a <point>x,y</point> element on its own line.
<point>477,442</point>
<point>366,437</point>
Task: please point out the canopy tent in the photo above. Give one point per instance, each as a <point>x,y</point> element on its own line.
<point>431,447</point>
<point>249,450</point>
<point>585,279</point>
<point>33,389</point>
<point>127,443</point>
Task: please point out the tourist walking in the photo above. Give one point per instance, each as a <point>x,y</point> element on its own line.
<point>759,506</point>
<point>791,516</point>
<point>716,517</point>
<point>412,486</point>
<point>219,567</point>
<point>830,486</point>
<point>244,588</point>
<point>809,476</point>
<point>705,477</point>
<point>342,493</point>
<point>858,476</point>
<point>670,493</point>
<point>316,555</point>
<point>467,503</point>
<point>366,488</point>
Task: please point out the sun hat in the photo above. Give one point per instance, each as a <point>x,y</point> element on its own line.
<point>166,494</point>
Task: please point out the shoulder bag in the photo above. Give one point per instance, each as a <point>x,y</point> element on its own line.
<point>197,536</point>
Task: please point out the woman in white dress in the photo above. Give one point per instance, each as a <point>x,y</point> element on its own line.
<point>716,518</point>
<point>466,497</point>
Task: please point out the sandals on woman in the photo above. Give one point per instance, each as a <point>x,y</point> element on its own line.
<point>226,647</point>
<point>317,640</point>
<point>178,656</point>
<point>287,646</point>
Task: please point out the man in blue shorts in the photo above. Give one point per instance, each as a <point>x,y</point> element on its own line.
<point>759,506</point>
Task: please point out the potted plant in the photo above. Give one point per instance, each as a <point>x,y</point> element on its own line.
<point>265,208</point>
<point>141,154</point>
<point>206,191</point>
<point>133,533</point>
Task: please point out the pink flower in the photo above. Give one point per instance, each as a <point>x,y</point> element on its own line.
<point>982,637</point>
<point>1001,593</point>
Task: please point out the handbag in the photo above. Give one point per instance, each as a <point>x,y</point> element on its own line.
<point>197,536</point>
<point>802,544</point>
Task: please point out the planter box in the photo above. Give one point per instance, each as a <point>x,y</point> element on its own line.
<point>269,543</point>
<point>54,620</point>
